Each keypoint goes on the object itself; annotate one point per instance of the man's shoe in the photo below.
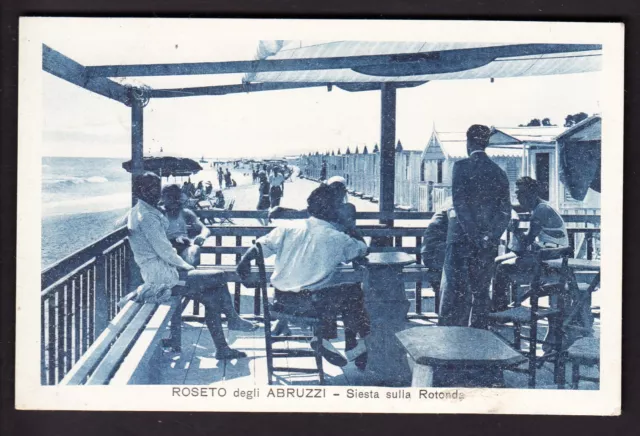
(356, 351)
(242, 325)
(280, 328)
(229, 354)
(330, 353)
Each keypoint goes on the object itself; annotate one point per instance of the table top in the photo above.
(391, 258)
(463, 346)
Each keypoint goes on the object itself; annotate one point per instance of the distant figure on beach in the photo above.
(263, 196)
(185, 188)
(208, 189)
(323, 171)
(480, 215)
(199, 194)
(308, 253)
(276, 181)
(218, 201)
(159, 264)
(220, 177)
(227, 179)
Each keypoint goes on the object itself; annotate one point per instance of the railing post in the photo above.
(102, 299)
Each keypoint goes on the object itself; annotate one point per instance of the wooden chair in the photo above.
(284, 314)
(519, 315)
(584, 351)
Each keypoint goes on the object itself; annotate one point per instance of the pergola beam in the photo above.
(67, 69)
(329, 63)
(229, 89)
(273, 86)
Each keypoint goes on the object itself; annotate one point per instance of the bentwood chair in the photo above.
(288, 314)
(518, 315)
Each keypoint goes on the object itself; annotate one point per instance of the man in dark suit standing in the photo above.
(480, 215)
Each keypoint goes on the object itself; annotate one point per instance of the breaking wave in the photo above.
(69, 180)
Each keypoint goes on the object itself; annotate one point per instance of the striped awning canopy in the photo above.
(422, 61)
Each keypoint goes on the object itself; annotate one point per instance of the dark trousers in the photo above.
(275, 194)
(210, 288)
(466, 280)
(346, 300)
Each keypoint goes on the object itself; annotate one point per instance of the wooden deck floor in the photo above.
(197, 365)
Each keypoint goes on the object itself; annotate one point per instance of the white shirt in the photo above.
(152, 251)
(276, 180)
(308, 253)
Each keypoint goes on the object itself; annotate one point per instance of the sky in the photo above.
(288, 122)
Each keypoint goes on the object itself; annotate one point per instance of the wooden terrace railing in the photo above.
(80, 293)
(78, 299)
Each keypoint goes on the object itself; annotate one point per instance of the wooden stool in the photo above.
(455, 348)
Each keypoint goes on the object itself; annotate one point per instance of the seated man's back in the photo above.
(308, 253)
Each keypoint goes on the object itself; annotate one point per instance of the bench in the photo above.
(124, 351)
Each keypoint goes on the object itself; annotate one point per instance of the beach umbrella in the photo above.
(166, 166)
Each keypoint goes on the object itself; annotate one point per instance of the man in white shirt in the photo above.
(276, 183)
(159, 264)
(308, 253)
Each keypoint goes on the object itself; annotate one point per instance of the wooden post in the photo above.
(387, 149)
(137, 165)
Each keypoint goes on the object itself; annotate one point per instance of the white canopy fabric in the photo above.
(430, 60)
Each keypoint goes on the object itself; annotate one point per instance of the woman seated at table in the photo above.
(546, 230)
(181, 220)
(159, 264)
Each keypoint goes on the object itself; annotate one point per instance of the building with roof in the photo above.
(519, 151)
(423, 176)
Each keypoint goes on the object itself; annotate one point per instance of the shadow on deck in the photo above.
(196, 363)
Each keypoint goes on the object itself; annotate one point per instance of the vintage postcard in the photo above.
(320, 216)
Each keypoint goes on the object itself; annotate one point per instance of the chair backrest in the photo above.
(262, 275)
(231, 203)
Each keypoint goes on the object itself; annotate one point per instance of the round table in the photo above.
(387, 305)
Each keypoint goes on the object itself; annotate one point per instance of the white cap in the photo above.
(337, 179)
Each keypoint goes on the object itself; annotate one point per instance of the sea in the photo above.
(83, 197)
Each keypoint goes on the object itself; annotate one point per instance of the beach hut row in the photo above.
(423, 176)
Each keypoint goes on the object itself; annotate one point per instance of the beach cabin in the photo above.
(445, 148)
(519, 151)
